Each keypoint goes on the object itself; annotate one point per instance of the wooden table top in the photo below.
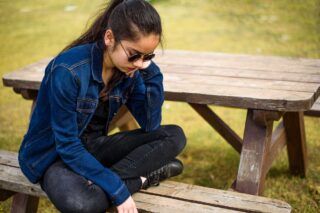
(233, 80)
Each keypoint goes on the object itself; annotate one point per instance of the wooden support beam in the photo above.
(124, 120)
(296, 142)
(5, 194)
(278, 142)
(312, 113)
(219, 125)
(29, 94)
(23, 203)
(256, 144)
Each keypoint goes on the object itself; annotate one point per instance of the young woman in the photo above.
(66, 148)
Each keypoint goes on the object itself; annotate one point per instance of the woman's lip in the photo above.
(131, 69)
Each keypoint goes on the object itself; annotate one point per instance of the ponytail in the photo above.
(123, 17)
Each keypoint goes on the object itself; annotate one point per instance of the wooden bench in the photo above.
(169, 197)
(315, 110)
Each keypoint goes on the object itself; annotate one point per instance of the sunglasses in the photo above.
(135, 57)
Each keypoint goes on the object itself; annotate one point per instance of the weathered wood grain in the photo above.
(219, 125)
(278, 142)
(244, 81)
(168, 197)
(277, 83)
(241, 61)
(9, 158)
(239, 97)
(256, 144)
(228, 199)
(23, 203)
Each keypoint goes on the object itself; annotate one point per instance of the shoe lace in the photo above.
(154, 177)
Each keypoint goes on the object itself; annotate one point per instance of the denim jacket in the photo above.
(67, 100)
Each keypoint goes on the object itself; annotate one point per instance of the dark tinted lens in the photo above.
(134, 57)
(148, 57)
(137, 56)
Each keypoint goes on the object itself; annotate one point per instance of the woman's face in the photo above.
(118, 56)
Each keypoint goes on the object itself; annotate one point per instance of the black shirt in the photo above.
(97, 125)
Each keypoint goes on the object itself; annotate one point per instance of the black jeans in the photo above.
(130, 154)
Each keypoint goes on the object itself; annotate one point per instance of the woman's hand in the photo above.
(145, 65)
(127, 206)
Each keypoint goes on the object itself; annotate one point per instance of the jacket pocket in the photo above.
(85, 107)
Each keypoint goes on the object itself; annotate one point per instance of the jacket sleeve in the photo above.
(146, 98)
(63, 101)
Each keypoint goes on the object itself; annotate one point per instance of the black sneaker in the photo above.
(173, 168)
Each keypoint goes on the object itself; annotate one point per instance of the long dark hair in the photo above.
(127, 19)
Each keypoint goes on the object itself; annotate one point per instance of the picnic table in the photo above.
(269, 88)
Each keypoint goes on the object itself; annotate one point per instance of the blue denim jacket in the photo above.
(67, 99)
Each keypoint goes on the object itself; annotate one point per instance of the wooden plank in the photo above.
(256, 143)
(177, 85)
(154, 203)
(253, 62)
(219, 125)
(242, 82)
(204, 199)
(28, 77)
(238, 97)
(35, 76)
(12, 179)
(236, 72)
(216, 197)
(230, 95)
(9, 158)
(296, 142)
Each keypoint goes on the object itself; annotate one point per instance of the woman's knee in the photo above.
(80, 204)
(177, 137)
(89, 200)
(70, 192)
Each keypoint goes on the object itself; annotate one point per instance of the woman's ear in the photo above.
(108, 38)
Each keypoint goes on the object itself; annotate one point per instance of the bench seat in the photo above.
(169, 197)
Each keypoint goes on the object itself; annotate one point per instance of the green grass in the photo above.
(35, 29)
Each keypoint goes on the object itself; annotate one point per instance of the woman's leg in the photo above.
(130, 154)
(72, 193)
(136, 153)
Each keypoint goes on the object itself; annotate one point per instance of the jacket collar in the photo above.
(97, 51)
(97, 60)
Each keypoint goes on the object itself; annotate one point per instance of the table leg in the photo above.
(254, 155)
(296, 142)
(23, 203)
